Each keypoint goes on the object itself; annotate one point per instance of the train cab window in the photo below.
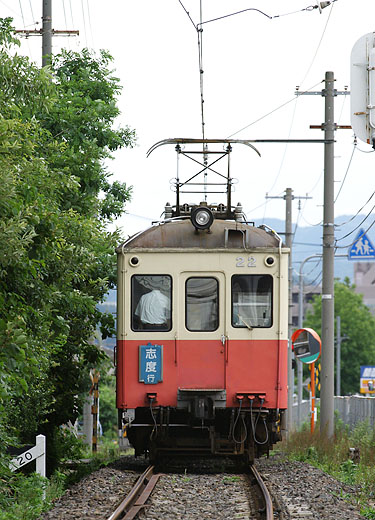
(202, 304)
(151, 298)
(252, 301)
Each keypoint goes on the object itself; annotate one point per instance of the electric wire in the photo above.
(298, 219)
(32, 11)
(89, 19)
(71, 12)
(286, 146)
(271, 112)
(270, 17)
(318, 262)
(263, 203)
(347, 171)
(66, 21)
(356, 240)
(314, 283)
(355, 229)
(84, 22)
(187, 12)
(23, 18)
(10, 8)
(319, 44)
(359, 211)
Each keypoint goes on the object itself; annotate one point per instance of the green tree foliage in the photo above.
(56, 258)
(358, 324)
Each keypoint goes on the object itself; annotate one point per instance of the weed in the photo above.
(231, 478)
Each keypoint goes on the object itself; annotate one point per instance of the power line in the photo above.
(319, 44)
(23, 18)
(358, 212)
(84, 22)
(187, 12)
(272, 111)
(32, 12)
(347, 170)
(89, 18)
(356, 240)
(359, 225)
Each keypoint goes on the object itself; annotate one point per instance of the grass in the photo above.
(21, 496)
(332, 456)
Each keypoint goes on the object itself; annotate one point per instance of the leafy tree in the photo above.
(358, 324)
(56, 257)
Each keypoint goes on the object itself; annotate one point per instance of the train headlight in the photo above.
(202, 217)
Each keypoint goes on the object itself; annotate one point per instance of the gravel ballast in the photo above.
(300, 491)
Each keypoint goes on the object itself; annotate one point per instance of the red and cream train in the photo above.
(202, 334)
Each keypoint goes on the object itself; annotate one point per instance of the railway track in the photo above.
(136, 500)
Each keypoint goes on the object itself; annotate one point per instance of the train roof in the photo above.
(181, 234)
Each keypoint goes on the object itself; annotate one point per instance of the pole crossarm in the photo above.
(39, 32)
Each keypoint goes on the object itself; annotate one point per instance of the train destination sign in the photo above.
(150, 364)
(306, 345)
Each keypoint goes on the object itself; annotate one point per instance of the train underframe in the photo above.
(201, 429)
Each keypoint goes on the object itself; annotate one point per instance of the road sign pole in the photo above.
(338, 356)
(312, 386)
(327, 374)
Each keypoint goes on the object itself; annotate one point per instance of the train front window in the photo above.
(151, 302)
(252, 300)
(202, 304)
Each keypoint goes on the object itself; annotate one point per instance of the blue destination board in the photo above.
(150, 364)
(362, 249)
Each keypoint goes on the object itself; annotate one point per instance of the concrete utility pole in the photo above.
(328, 339)
(327, 373)
(46, 32)
(288, 242)
(289, 197)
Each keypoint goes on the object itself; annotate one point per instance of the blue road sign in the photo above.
(362, 249)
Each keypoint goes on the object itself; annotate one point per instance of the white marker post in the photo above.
(37, 452)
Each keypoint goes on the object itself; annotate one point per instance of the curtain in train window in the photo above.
(202, 304)
(151, 302)
(252, 301)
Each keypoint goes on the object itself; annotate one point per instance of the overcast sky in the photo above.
(252, 65)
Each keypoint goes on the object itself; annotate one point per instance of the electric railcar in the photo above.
(202, 334)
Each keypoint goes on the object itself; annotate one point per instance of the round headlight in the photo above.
(202, 218)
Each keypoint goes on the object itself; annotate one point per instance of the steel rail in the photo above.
(135, 500)
(266, 493)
